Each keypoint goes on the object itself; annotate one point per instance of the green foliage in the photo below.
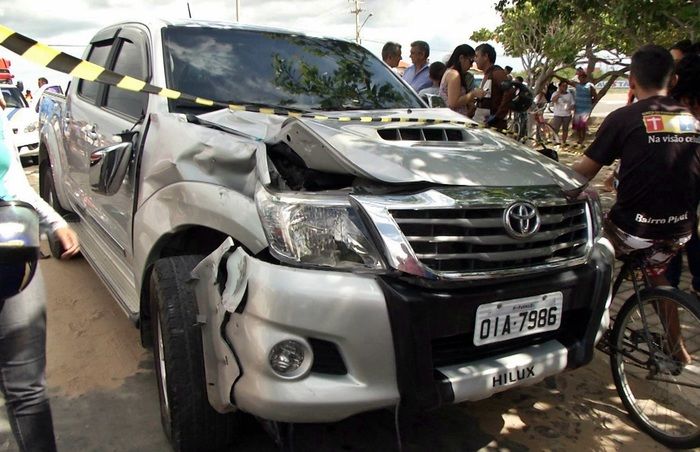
(552, 35)
(483, 35)
(632, 22)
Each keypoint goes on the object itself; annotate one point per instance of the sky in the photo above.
(70, 25)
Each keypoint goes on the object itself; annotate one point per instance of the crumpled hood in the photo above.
(403, 152)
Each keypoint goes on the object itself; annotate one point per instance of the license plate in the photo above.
(509, 319)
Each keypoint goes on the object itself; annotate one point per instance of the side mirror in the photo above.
(108, 167)
(434, 101)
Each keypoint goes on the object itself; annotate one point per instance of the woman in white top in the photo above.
(563, 108)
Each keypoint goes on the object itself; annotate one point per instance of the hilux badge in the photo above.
(521, 220)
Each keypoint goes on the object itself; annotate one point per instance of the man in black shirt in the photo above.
(658, 143)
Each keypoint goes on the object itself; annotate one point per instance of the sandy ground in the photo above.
(104, 394)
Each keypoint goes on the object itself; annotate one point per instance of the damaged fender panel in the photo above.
(221, 366)
(180, 151)
(213, 206)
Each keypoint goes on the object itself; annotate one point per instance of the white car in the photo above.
(23, 121)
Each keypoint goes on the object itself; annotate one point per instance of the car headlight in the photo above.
(31, 127)
(316, 230)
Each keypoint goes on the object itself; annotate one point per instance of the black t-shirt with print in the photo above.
(658, 144)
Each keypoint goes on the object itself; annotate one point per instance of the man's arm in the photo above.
(587, 167)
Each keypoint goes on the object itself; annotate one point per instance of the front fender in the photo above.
(185, 204)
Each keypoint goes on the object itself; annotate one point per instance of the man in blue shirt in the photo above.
(418, 75)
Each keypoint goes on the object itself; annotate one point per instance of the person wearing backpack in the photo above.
(520, 104)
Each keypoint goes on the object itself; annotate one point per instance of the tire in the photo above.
(47, 191)
(668, 410)
(188, 419)
(47, 188)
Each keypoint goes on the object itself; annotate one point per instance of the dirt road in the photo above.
(105, 398)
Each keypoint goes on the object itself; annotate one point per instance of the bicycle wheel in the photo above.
(513, 130)
(545, 134)
(658, 383)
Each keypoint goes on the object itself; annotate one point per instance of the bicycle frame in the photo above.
(628, 268)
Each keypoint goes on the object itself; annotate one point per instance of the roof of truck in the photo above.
(160, 23)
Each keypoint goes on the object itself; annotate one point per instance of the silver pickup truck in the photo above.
(301, 261)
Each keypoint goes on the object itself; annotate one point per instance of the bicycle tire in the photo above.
(655, 391)
(513, 130)
(545, 134)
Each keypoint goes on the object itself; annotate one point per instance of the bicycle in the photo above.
(543, 132)
(660, 391)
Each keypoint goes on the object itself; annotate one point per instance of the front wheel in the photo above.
(655, 360)
(188, 419)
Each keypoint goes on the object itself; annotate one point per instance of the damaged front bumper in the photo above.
(340, 318)
(371, 341)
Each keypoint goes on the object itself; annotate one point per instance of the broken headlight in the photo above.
(316, 230)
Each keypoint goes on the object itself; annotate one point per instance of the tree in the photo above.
(661, 21)
(543, 46)
(550, 35)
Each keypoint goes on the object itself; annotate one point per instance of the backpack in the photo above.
(19, 247)
(551, 89)
(522, 100)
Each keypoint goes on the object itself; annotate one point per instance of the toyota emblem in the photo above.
(521, 220)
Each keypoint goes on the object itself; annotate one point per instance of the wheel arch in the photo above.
(190, 218)
(47, 162)
(187, 240)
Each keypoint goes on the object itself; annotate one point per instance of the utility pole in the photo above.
(358, 9)
(238, 10)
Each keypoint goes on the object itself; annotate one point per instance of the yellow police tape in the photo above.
(51, 58)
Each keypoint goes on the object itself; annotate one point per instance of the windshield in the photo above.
(13, 97)
(277, 69)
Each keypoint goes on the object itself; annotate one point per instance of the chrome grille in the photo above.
(465, 240)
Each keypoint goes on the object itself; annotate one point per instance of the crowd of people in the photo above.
(487, 103)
